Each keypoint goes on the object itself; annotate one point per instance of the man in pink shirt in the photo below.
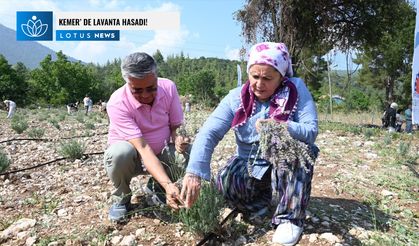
(144, 115)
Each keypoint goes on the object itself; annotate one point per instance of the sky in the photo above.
(207, 28)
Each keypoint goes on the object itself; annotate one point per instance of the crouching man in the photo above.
(144, 114)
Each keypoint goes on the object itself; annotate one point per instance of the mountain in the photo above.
(30, 53)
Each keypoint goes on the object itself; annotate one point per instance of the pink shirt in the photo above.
(130, 119)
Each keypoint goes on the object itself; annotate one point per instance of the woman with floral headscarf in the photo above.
(248, 180)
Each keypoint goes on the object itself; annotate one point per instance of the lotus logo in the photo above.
(34, 28)
(34, 25)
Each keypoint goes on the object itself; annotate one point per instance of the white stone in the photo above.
(128, 241)
(329, 237)
(313, 237)
(140, 232)
(22, 234)
(30, 241)
(62, 212)
(116, 239)
(20, 225)
(387, 193)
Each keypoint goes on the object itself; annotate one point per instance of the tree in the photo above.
(303, 24)
(12, 86)
(61, 81)
(387, 65)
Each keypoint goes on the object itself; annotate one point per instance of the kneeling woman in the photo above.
(249, 179)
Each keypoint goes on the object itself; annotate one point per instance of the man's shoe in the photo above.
(287, 234)
(119, 212)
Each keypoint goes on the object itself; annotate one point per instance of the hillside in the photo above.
(28, 52)
(364, 189)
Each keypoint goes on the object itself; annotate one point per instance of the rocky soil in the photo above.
(66, 202)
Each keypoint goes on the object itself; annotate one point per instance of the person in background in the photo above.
(144, 114)
(399, 121)
(408, 116)
(391, 116)
(187, 107)
(90, 105)
(11, 107)
(86, 103)
(270, 94)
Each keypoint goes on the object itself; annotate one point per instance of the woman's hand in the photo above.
(172, 196)
(190, 189)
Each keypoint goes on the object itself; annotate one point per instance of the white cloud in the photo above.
(232, 54)
(8, 9)
(107, 4)
(168, 42)
(90, 50)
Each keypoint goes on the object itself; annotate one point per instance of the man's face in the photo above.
(144, 90)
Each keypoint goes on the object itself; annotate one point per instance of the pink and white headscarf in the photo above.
(274, 54)
(283, 102)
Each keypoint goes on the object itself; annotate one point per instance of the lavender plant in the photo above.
(280, 149)
(4, 161)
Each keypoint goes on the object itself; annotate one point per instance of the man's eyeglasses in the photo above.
(141, 90)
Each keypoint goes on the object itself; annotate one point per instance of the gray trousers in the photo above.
(122, 163)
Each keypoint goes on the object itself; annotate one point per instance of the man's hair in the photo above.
(138, 65)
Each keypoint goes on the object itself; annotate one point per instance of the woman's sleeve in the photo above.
(304, 123)
(210, 134)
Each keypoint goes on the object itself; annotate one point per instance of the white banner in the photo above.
(415, 72)
(117, 20)
(239, 76)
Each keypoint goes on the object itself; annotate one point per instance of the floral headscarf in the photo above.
(274, 54)
(284, 101)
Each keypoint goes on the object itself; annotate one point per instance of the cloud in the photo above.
(8, 9)
(90, 51)
(168, 42)
(107, 4)
(232, 54)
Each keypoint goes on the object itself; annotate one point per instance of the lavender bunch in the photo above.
(281, 150)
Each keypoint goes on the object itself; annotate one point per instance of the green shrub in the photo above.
(19, 124)
(368, 133)
(204, 216)
(61, 117)
(89, 126)
(403, 149)
(388, 138)
(54, 122)
(72, 149)
(80, 118)
(36, 132)
(4, 161)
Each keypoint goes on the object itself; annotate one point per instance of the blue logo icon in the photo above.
(33, 25)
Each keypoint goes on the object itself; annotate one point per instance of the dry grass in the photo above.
(353, 118)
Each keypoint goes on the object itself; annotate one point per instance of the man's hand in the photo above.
(181, 143)
(190, 189)
(172, 196)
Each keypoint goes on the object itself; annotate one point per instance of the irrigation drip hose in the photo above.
(211, 234)
(46, 163)
(49, 139)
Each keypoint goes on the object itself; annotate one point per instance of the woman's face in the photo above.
(264, 79)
